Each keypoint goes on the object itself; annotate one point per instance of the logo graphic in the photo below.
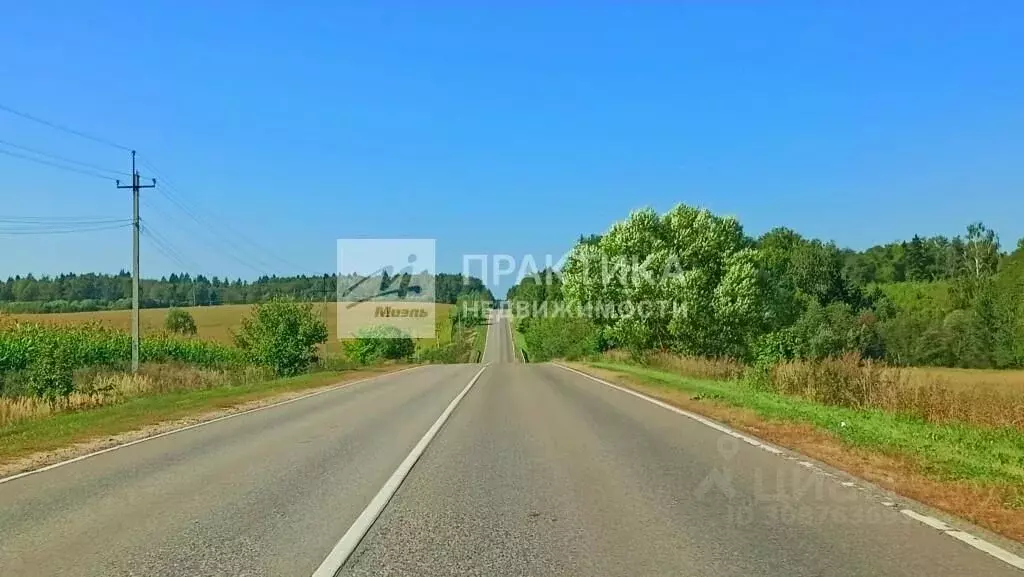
(386, 288)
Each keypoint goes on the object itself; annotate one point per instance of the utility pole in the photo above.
(135, 186)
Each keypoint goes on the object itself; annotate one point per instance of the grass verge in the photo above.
(479, 342)
(973, 472)
(27, 437)
(519, 344)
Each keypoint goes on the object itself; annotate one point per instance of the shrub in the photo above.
(560, 337)
(382, 342)
(180, 321)
(282, 335)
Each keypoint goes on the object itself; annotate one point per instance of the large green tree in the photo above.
(686, 281)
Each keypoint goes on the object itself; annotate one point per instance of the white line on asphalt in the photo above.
(350, 540)
(749, 440)
(930, 521)
(487, 338)
(997, 552)
(196, 425)
(976, 542)
(511, 341)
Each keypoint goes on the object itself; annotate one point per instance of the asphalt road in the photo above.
(538, 471)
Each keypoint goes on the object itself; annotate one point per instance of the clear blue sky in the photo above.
(510, 129)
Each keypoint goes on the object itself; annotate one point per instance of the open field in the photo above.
(1005, 381)
(213, 323)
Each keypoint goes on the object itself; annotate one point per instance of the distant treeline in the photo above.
(93, 292)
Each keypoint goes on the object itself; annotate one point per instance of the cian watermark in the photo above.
(386, 282)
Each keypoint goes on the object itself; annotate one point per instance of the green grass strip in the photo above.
(944, 451)
(63, 429)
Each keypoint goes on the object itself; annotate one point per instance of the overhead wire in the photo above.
(60, 220)
(63, 230)
(165, 248)
(261, 269)
(240, 248)
(247, 245)
(64, 128)
(55, 165)
(63, 158)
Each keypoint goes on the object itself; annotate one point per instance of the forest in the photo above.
(93, 292)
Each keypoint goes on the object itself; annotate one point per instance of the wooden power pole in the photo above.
(135, 186)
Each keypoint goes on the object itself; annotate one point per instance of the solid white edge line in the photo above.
(350, 540)
(980, 544)
(487, 342)
(700, 419)
(930, 521)
(511, 340)
(976, 542)
(199, 424)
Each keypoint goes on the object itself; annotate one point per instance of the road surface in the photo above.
(538, 471)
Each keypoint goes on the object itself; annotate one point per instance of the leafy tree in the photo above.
(686, 281)
(283, 335)
(180, 321)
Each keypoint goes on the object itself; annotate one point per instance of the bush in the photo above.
(180, 321)
(559, 337)
(380, 342)
(282, 335)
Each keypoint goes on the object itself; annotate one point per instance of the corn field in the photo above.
(41, 359)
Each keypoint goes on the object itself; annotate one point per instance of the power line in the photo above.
(168, 251)
(62, 158)
(63, 128)
(260, 269)
(60, 220)
(168, 190)
(167, 247)
(55, 165)
(69, 230)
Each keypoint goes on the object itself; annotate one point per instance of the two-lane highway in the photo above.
(538, 471)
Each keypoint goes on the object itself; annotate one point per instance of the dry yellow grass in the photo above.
(107, 388)
(982, 397)
(932, 394)
(213, 323)
(696, 367)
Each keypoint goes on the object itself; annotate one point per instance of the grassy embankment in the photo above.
(193, 396)
(951, 438)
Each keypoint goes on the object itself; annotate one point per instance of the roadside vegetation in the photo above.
(693, 283)
(461, 335)
(213, 323)
(900, 363)
(50, 370)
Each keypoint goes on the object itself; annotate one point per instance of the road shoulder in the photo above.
(899, 483)
(110, 432)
